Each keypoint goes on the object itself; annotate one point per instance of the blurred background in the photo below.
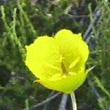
(22, 21)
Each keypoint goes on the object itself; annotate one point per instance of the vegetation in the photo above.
(22, 21)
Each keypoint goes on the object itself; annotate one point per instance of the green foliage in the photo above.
(100, 57)
(22, 21)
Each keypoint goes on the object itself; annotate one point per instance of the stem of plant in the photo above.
(73, 99)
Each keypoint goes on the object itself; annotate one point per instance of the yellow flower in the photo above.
(58, 62)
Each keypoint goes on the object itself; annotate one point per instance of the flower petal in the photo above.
(66, 84)
(43, 57)
(72, 47)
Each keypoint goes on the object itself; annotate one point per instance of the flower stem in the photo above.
(73, 99)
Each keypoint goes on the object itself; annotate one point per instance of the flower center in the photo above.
(64, 68)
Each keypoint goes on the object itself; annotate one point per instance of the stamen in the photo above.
(73, 64)
(53, 67)
(64, 68)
